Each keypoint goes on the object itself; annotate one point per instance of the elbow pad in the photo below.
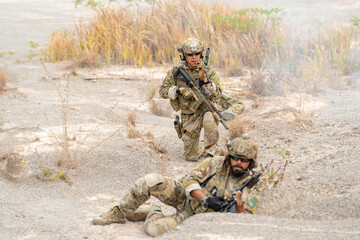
(172, 92)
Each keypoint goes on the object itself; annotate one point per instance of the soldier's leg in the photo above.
(171, 193)
(191, 137)
(157, 223)
(191, 148)
(165, 189)
(137, 195)
(211, 133)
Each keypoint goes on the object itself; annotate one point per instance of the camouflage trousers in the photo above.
(191, 139)
(168, 191)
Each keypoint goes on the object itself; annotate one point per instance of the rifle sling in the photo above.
(203, 184)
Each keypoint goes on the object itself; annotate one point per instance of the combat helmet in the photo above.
(243, 147)
(191, 45)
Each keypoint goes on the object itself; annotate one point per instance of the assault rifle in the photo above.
(230, 206)
(200, 97)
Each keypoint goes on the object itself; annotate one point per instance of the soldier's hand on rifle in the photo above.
(215, 203)
(239, 203)
(187, 93)
(207, 82)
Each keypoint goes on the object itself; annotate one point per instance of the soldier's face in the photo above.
(238, 164)
(193, 59)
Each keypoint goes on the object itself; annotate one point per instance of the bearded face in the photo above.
(239, 166)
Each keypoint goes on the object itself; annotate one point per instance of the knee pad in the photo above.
(209, 122)
(160, 226)
(154, 179)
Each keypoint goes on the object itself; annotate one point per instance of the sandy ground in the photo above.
(319, 130)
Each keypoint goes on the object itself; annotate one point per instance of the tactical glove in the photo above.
(215, 203)
(188, 94)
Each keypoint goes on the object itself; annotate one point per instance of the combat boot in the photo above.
(112, 216)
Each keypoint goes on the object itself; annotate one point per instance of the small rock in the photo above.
(300, 178)
(15, 168)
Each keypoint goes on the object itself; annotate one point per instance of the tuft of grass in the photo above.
(50, 175)
(150, 93)
(153, 144)
(272, 177)
(239, 126)
(3, 79)
(131, 119)
(69, 149)
(47, 171)
(133, 132)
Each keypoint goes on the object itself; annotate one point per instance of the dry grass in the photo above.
(131, 119)
(3, 79)
(327, 55)
(272, 177)
(151, 93)
(238, 39)
(150, 140)
(131, 125)
(239, 126)
(140, 38)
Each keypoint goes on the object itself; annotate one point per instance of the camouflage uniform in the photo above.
(230, 104)
(177, 194)
(212, 176)
(194, 120)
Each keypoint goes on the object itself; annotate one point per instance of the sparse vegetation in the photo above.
(34, 50)
(272, 177)
(150, 93)
(51, 175)
(3, 79)
(131, 125)
(131, 119)
(239, 126)
(328, 56)
(69, 149)
(153, 144)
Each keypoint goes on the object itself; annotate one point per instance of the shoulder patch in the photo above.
(253, 202)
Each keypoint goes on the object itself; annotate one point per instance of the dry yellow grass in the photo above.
(327, 55)
(238, 39)
(147, 38)
(239, 126)
(3, 79)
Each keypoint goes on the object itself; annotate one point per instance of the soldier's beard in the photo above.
(237, 173)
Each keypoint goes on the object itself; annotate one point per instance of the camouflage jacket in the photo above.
(197, 74)
(220, 184)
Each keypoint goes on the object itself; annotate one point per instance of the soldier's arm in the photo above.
(192, 180)
(169, 82)
(215, 79)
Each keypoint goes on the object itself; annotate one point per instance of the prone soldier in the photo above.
(205, 189)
